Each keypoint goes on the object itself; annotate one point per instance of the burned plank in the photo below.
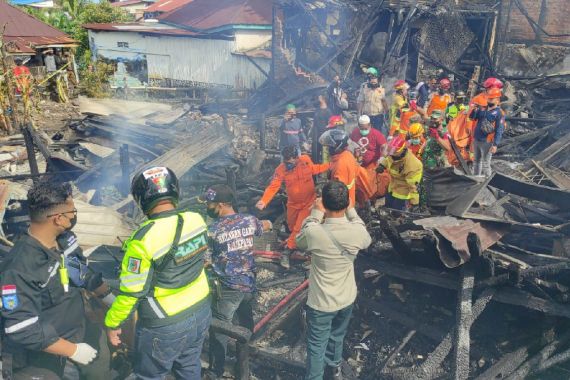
(550, 195)
(506, 365)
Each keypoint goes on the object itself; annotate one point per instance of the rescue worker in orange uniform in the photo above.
(442, 98)
(460, 129)
(297, 172)
(481, 98)
(335, 122)
(406, 172)
(398, 103)
(416, 139)
(344, 166)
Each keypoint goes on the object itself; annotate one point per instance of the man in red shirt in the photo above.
(297, 172)
(22, 75)
(371, 141)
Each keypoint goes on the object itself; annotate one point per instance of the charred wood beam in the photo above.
(459, 157)
(29, 141)
(541, 193)
(463, 314)
(507, 295)
(401, 37)
(288, 312)
(277, 361)
(397, 242)
(393, 355)
(506, 365)
(250, 59)
(320, 27)
(431, 367)
(390, 311)
(537, 363)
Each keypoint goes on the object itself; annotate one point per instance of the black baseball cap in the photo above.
(218, 194)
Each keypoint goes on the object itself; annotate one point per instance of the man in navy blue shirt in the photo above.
(485, 142)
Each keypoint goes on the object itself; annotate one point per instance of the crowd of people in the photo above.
(432, 126)
(178, 272)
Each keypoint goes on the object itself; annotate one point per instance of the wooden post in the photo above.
(29, 140)
(262, 132)
(9, 83)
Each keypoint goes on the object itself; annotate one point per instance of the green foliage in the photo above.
(95, 80)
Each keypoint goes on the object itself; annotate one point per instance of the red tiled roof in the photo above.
(28, 32)
(207, 14)
(149, 28)
(167, 5)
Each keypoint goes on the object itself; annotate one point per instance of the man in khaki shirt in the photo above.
(333, 245)
(371, 101)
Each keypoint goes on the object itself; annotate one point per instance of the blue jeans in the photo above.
(175, 347)
(224, 307)
(325, 337)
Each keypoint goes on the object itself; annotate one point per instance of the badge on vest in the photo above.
(191, 248)
(9, 297)
(134, 265)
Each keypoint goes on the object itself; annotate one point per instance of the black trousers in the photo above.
(50, 367)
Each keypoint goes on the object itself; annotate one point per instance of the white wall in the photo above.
(251, 39)
(184, 58)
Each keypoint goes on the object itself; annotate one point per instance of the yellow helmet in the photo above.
(416, 130)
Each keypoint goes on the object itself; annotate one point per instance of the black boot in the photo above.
(333, 373)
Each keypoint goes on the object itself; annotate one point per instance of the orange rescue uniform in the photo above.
(345, 169)
(438, 102)
(300, 189)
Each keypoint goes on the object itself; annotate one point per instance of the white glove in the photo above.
(84, 354)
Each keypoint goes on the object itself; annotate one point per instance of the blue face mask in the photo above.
(290, 165)
(364, 132)
(415, 141)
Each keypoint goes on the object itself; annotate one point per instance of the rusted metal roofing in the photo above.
(129, 2)
(27, 32)
(167, 5)
(150, 28)
(211, 16)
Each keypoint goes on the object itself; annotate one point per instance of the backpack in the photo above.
(487, 126)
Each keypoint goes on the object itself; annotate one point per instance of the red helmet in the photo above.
(492, 83)
(396, 145)
(334, 121)
(400, 84)
(445, 84)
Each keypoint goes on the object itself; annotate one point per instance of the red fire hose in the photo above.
(268, 254)
(280, 305)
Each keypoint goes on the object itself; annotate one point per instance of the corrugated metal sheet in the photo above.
(167, 5)
(202, 60)
(29, 32)
(208, 14)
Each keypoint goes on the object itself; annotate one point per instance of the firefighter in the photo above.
(398, 103)
(416, 139)
(442, 98)
(297, 172)
(43, 314)
(335, 122)
(405, 172)
(481, 98)
(344, 166)
(457, 105)
(163, 279)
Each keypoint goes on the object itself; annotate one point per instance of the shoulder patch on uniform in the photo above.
(141, 232)
(134, 265)
(9, 297)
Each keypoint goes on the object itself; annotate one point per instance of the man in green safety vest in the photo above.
(163, 278)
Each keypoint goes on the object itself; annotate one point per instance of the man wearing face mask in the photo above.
(297, 172)
(42, 309)
(372, 141)
(441, 99)
(372, 102)
(437, 144)
(488, 131)
(416, 139)
(231, 242)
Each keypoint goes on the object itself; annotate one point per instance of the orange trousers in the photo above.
(295, 217)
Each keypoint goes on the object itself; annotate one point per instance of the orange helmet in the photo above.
(416, 130)
(492, 83)
(494, 93)
(335, 121)
(400, 85)
(396, 145)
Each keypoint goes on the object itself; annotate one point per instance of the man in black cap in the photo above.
(233, 266)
